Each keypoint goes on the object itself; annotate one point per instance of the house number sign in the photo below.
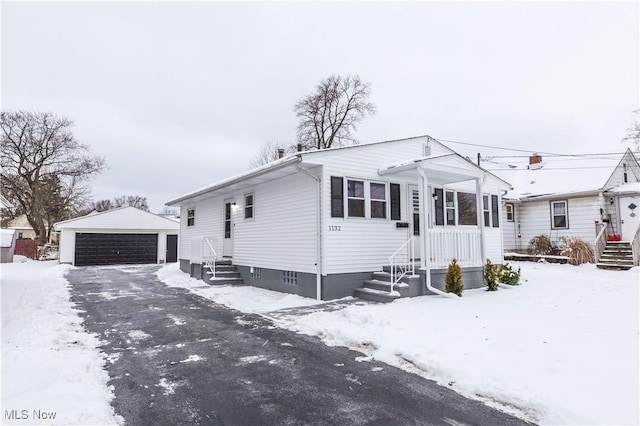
(335, 228)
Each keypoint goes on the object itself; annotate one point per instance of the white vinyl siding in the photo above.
(535, 219)
(283, 235)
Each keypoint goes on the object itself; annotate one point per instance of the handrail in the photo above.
(635, 247)
(600, 243)
(210, 260)
(402, 262)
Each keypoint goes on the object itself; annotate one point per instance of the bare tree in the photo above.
(40, 153)
(131, 200)
(102, 205)
(633, 132)
(269, 152)
(169, 211)
(329, 115)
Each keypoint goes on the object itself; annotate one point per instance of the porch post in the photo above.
(425, 248)
(480, 213)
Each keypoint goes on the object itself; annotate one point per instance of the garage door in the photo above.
(115, 249)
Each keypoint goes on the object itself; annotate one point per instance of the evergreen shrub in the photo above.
(507, 275)
(491, 276)
(453, 279)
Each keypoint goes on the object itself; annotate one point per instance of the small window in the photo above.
(355, 198)
(486, 211)
(450, 207)
(256, 273)
(289, 278)
(248, 206)
(559, 215)
(378, 196)
(509, 210)
(191, 217)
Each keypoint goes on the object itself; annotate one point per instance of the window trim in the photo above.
(250, 206)
(378, 200)
(510, 206)
(566, 214)
(191, 217)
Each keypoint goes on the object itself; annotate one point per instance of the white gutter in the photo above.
(426, 254)
(318, 232)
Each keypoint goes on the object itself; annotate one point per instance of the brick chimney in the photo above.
(299, 147)
(535, 161)
(280, 153)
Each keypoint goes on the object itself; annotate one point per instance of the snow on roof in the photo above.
(631, 187)
(558, 175)
(6, 237)
(121, 218)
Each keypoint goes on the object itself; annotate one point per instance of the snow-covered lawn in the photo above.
(52, 372)
(562, 348)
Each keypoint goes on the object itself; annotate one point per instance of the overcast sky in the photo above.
(177, 96)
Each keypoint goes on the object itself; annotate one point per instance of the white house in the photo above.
(570, 196)
(320, 223)
(126, 235)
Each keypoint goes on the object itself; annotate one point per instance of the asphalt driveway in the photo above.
(175, 358)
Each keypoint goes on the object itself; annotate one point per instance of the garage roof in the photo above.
(122, 218)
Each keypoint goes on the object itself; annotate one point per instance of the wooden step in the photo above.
(225, 281)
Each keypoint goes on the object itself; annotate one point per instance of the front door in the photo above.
(629, 216)
(227, 245)
(414, 210)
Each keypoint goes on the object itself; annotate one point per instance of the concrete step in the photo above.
(226, 274)
(225, 281)
(375, 295)
(384, 285)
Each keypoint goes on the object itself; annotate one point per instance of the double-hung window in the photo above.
(248, 206)
(378, 199)
(559, 215)
(486, 210)
(355, 198)
(509, 209)
(191, 217)
(450, 207)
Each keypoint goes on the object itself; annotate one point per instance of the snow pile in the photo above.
(243, 298)
(562, 348)
(51, 370)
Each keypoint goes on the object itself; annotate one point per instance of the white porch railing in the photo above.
(459, 243)
(600, 243)
(402, 262)
(635, 247)
(209, 254)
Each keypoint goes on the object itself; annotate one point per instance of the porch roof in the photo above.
(441, 169)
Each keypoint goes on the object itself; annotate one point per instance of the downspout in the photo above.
(424, 230)
(318, 230)
(480, 214)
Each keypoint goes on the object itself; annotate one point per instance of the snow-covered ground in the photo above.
(561, 348)
(52, 372)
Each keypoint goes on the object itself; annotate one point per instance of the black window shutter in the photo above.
(394, 189)
(495, 210)
(337, 197)
(439, 206)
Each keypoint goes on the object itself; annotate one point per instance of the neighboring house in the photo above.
(125, 235)
(24, 230)
(7, 245)
(319, 223)
(570, 197)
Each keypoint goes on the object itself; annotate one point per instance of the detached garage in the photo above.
(121, 236)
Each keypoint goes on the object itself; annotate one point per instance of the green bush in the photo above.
(491, 276)
(542, 245)
(506, 275)
(453, 279)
